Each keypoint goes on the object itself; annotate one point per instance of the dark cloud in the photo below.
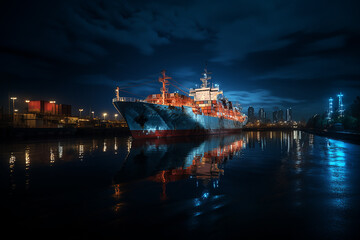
(262, 53)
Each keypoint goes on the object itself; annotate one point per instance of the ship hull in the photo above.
(147, 120)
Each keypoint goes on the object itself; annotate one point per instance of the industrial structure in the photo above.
(49, 114)
(49, 108)
(330, 111)
(340, 107)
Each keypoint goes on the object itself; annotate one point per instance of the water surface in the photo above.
(281, 184)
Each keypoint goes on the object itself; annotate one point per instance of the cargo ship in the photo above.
(201, 111)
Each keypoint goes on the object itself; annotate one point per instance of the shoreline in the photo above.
(261, 129)
(15, 134)
(353, 137)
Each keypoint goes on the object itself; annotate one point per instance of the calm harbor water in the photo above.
(285, 184)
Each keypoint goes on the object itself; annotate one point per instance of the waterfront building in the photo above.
(262, 115)
(48, 108)
(280, 115)
(251, 115)
(289, 117)
(275, 117)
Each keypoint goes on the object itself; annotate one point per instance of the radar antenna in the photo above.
(205, 78)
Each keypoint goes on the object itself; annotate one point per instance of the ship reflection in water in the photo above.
(170, 160)
(287, 184)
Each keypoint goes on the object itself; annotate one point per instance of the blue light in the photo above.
(337, 171)
(197, 202)
(336, 153)
(205, 195)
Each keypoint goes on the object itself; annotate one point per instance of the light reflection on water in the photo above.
(203, 162)
(338, 172)
(273, 176)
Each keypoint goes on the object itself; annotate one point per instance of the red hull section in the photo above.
(176, 133)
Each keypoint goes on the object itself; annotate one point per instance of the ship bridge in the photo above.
(205, 92)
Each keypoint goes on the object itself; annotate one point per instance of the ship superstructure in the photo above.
(204, 111)
(205, 93)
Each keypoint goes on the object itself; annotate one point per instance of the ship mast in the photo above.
(165, 82)
(117, 93)
(205, 78)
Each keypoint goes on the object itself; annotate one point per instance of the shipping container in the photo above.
(49, 108)
(45, 107)
(34, 106)
(64, 110)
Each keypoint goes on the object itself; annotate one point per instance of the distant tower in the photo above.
(330, 112)
(341, 106)
(275, 116)
(251, 115)
(262, 116)
(280, 115)
(288, 115)
(291, 114)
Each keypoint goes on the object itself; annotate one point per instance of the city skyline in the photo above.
(271, 116)
(332, 107)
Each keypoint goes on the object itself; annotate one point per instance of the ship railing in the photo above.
(127, 99)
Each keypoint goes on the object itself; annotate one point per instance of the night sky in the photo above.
(262, 53)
